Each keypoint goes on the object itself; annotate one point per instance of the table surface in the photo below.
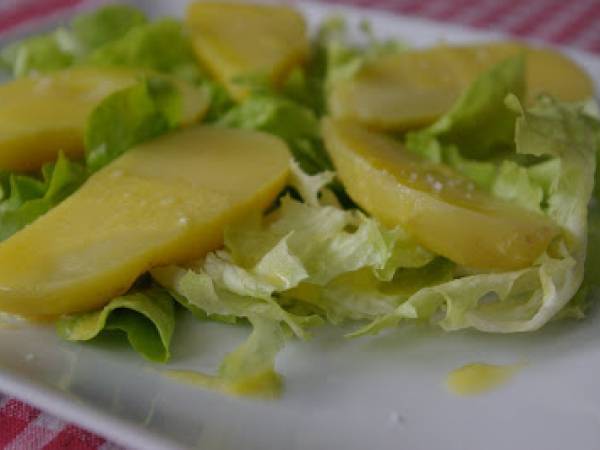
(570, 23)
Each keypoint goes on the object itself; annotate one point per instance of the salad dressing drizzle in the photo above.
(479, 378)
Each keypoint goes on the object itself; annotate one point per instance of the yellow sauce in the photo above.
(266, 385)
(478, 378)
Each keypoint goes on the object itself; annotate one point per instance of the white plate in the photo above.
(385, 392)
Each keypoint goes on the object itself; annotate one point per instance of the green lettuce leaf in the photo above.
(280, 271)
(37, 54)
(301, 251)
(147, 317)
(162, 46)
(111, 22)
(483, 173)
(214, 298)
(130, 116)
(25, 198)
(479, 123)
(291, 121)
(64, 47)
(525, 300)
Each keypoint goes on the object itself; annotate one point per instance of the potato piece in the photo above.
(415, 87)
(444, 211)
(41, 115)
(234, 40)
(163, 202)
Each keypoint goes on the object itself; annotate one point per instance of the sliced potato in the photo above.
(234, 40)
(41, 115)
(415, 87)
(444, 211)
(165, 201)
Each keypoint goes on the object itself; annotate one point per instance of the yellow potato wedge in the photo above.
(165, 201)
(413, 88)
(41, 115)
(444, 211)
(234, 40)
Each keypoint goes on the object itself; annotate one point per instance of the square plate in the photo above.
(384, 392)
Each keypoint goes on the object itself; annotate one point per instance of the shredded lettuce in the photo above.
(303, 261)
(147, 317)
(25, 198)
(130, 116)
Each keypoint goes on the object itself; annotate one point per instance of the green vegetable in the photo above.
(147, 318)
(35, 54)
(67, 46)
(527, 299)
(479, 124)
(130, 116)
(162, 46)
(97, 28)
(25, 198)
(291, 121)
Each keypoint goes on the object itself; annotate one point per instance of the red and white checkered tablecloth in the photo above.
(574, 23)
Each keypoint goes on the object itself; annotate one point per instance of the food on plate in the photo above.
(413, 88)
(237, 40)
(163, 202)
(446, 212)
(41, 115)
(244, 176)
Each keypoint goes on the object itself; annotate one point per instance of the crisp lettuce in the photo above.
(97, 28)
(25, 198)
(479, 124)
(303, 261)
(145, 110)
(162, 46)
(479, 128)
(291, 121)
(147, 317)
(67, 46)
(525, 300)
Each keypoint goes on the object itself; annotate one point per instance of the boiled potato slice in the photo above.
(445, 212)
(415, 87)
(234, 40)
(40, 115)
(165, 201)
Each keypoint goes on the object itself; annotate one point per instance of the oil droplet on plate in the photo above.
(479, 378)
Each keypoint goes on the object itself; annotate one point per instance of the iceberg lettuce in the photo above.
(527, 299)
